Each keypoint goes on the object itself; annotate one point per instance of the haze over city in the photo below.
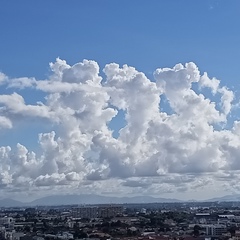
(119, 98)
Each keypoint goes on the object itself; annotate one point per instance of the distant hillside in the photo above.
(7, 202)
(84, 199)
(227, 198)
(96, 199)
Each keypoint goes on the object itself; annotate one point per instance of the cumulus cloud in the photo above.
(14, 105)
(3, 78)
(177, 147)
(5, 122)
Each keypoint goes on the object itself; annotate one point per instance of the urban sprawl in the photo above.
(155, 221)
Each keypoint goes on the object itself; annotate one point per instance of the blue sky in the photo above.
(144, 34)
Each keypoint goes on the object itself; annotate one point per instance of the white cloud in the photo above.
(181, 151)
(205, 81)
(3, 78)
(5, 122)
(14, 105)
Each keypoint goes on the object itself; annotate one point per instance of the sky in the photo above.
(119, 98)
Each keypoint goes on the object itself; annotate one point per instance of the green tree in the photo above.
(196, 230)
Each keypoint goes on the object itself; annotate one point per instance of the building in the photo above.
(102, 211)
(215, 229)
(106, 211)
(85, 212)
(6, 221)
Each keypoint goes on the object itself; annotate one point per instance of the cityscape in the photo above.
(119, 120)
(142, 221)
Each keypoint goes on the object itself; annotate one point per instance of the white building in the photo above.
(6, 220)
(64, 235)
(102, 211)
(215, 229)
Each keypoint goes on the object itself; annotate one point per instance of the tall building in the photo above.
(101, 211)
(215, 229)
(85, 212)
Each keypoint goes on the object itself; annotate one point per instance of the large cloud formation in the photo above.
(176, 137)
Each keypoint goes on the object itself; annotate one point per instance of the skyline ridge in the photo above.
(93, 199)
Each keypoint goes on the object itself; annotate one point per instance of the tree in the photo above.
(232, 230)
(27, 229)
(79, 234)
(196, 230)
